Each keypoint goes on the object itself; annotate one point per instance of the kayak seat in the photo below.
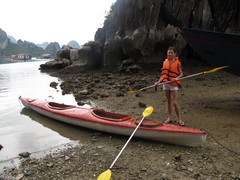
(148, 123)
(59, 106)
(110, 116)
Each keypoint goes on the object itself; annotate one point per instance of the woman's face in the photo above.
(171, 54)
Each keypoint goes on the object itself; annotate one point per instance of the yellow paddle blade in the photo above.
(148, 111)
(215, 69)
(106, 175)
(134, 91)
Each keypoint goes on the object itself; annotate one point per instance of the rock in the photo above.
(142, 105)
(119, 94)
(104, 95)
(84, 92)
(133, 68)
(91, 52)
(67, 158)
(80, 103)
(49, 164)
(55, 64)
(54, 85)
(19, 176)
(64, 52)
(165, 176)
(178, 158)
(138, 95)
(24, 154)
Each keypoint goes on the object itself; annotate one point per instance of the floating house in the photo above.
(21, 57)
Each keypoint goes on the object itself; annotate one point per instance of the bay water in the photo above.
(22, 130)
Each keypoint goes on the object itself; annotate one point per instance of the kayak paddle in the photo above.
(204, 72)
(106, 175)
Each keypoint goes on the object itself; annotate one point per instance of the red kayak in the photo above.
(122, 124)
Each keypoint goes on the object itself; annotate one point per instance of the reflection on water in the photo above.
(66, 130)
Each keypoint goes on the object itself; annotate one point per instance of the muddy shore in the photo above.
(210, 102)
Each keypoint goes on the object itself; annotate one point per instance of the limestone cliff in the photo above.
(143, 29)
(140, 31)
(4, 41)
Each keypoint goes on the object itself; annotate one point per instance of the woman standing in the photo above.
(171, 72)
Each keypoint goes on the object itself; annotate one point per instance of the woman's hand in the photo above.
(175, 79)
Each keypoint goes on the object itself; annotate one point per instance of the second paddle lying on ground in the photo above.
(106, 175)
(204, 72)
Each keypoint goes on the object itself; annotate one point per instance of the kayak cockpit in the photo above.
(59, 106)
(110, 116)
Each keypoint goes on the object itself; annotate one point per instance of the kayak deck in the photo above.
(111, 122)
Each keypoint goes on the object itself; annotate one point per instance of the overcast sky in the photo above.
(39, 21)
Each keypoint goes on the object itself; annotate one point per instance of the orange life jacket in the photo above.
(170, 71)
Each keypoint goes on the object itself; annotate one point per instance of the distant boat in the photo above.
(220, 49)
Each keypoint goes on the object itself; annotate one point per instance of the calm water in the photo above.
(22, 130)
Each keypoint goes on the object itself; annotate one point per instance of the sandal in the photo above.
(167, 121)
(181, 123)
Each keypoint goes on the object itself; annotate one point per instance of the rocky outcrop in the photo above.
(92, 52)
(89, 55)
(142, 30)
(62, 59)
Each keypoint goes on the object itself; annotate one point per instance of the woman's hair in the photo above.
(173, 49)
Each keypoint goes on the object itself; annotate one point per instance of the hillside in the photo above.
(23, 47)
(9, 47)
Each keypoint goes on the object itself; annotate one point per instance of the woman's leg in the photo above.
(174, 97)
(169, 105)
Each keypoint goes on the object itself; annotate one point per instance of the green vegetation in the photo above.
(22, 47)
